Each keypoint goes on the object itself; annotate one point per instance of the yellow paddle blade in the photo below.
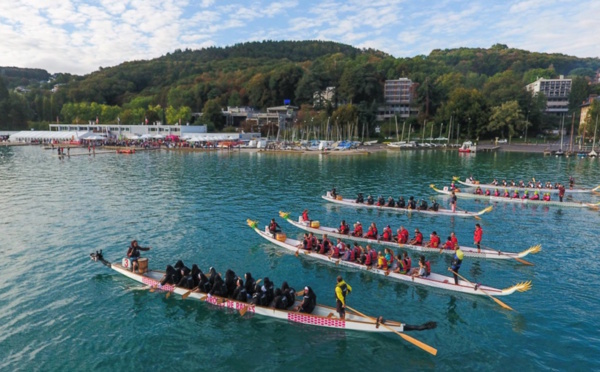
(243, 310)
(455, 178)
(300, 293)
(168, 295)
(251, 223)
(501, 303)
(284, 214)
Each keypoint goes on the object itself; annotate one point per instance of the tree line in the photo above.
(482, 89)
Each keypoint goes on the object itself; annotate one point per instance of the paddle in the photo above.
(153, 288)
(484, 292)
(412, 340)
(243, 310)
(516, 258)
(186, 294)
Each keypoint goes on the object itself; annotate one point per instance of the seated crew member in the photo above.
(547, 196)
(277, 302)
(487, 192)
(250, 283)
(169, 277)
(314, 242)
(516, 194)
(401, 203)
(382, 263)
(274, 227)
(434, 240)
(338, 250)
(402, 235)
(448, 244)
(504, 183)
(423, 205)
(360, 198)
(506, 194)
(424, 269)
(333, 193)
(219, 288)
(133, 253)
(325, 245)
(357, 229)
(373, 253)
(309, 301)
(355, 256)
(239, 293)
(525, 195)
(269, 289)
(305, 217)
(230, 282)
(370, 200)
(418, 239)
(380, 201)
(387, 234)
(496, 192)
(452, 186)
(495, 182)
(289, 294)
(344, 228)
(366, 258)
(405, 264)
(180, 271)
(412, 204)
(454, 240)
(389, 256)
(435, 206)
(391, 202)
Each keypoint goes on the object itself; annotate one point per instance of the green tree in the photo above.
(212, 114)
(506, 119)
(580, 91)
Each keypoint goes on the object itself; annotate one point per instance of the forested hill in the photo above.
(470, 81)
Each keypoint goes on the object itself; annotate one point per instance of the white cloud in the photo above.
(80, 35)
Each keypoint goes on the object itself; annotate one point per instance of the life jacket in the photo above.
(487, 192)
(358, 231)
(373, 255)
(496, 193)
(344, 287)
(401, 203)
(314, 242)
(449, 245)
(382, 263)
(418, 239)
(368, 259)
(387, 234)
(403, 238)
(305, 216)
(427, 268)
(506, 194)
(391, 259)
(434, 241)
(273, 226)
(406, 264)
(336, 252)
(344, 229)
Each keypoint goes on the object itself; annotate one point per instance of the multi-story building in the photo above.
(398, 96)
(556, 91)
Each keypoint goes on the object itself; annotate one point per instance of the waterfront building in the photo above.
(128, 131)
(398, 98)
(556, 91)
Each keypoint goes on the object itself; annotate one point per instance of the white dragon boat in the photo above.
(488, 186)
(467, 195)
(321, 316)
(433, 280)
(468, 251)
(439, 212)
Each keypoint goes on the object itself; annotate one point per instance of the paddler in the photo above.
(477, 236)
(387, 234)
(536, 196)
(449, 244)
(309, 301)
(344, 228)
(404, 264)
(412, 204)
(133, 253)
(391, 202)
(401, 203)
(402, 235)
(305, 217)
(561, 192)
(424, 269)
(418, 239)
(370, 200)
(435, 206)
(360, 198)
(456, 262)
(434, 240)
(358, 229)
(333, 193)
(454, 240)
(380, 201)
(342, 289)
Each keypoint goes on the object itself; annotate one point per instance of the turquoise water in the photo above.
(60, 311)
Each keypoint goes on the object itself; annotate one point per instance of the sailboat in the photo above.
(560, 152)
(593, 154)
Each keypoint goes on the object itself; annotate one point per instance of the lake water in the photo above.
(60, 311)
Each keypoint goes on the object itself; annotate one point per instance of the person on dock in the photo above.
(309, 301)
(344, 228)
(456, 262)
(274, 227)
(561, 192)
(418, 239)
(133, 253)
(477, 236)
(342, 289)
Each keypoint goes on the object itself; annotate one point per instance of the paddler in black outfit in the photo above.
(250, 282)
(274, 227)
(180, 269)
(309, 301)
(240, 294)
(277, 302)
(401, 203)
(391, 202)
(169, 277)
(341, 290)
(230, 279)
(360, 198)
(219, 288)
(289, 294)
(370, 200)
(412, 204)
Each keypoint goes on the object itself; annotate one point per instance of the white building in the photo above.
(556, 91)
(398, 96)
(127, 131)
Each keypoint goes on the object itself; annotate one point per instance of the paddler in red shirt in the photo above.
(454, 240)
(477, 235)
(434, 240)
(387, 233)
(402, 235)
(358, 229)
(418, 239)
(305, 216)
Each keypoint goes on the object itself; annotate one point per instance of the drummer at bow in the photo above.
(133, 253)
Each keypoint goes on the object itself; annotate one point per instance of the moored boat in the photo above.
(433, 280)
(321, 316)
(126, 151)
(439, 212)
(468, 147)
(466, 195)
(531, 189)
(468, 251)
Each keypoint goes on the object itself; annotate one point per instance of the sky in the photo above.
(80, 36)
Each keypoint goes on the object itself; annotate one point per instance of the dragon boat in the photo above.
(466, 195)
(433, 280)
(542, 190)
(439, 212)
(321, 316)
(468, 251)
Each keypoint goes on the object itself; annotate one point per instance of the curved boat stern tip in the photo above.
(521, 287)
